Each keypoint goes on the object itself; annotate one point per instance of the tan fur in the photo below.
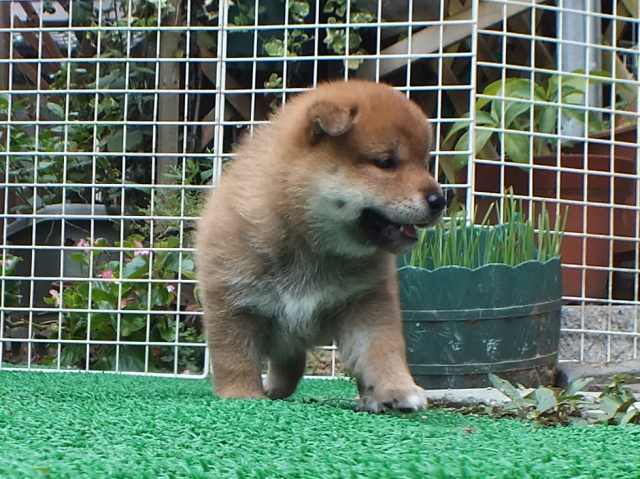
(282, 263)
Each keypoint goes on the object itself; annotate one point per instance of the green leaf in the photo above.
(101, 243)
(610, 406)
(11, 263)
(104, 298)
(56, 110)
(510, 88)
(451, 164)
(455, 129)
(115, 141)
(44, 165)
(274, 47)
(545, 399)
(463, 143)
(138, 267)
(160, 296)
(131, 323)
(79, 257)
(505, 387)
(171, 242)
(361, 17)
(71, 355)
(575, 113)
(492, 89)
(131, 360)
(577, 385)
(517, 147)
(328, 7)
(631, 416)
(513, 110)
(547, 119)
(482, 137)
(299, 10)
(188, 265)
(484, 118)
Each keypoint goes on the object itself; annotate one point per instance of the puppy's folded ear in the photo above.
(330, 119)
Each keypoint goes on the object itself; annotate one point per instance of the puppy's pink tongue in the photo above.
(409, 231)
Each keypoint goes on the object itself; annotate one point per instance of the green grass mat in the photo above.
(69, 425)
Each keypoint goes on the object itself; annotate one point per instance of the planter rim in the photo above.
(484, 266)
(569, 154)
(605, 134)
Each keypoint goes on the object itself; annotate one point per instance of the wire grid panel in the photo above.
(119, 115)
(556, 121)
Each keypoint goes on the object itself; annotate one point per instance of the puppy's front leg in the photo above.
(235, 357)
(372, 346)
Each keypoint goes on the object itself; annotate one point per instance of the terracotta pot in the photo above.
(572, 188)
(625, 219)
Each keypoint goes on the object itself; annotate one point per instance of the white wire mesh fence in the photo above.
(116, 116)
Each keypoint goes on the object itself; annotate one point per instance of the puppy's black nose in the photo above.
(436, 202)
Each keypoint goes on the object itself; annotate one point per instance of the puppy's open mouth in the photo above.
(388, 234)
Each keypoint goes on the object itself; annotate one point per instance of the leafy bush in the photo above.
(553, 406)
(8, 265)
(299, 41)
(507, 104)
(178, 203)
(137, 281)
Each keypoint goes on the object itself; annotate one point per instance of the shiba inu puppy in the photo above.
(296, 247)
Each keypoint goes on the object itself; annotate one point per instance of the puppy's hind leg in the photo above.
(285, 371)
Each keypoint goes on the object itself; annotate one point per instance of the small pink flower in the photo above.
(171, 288)
(138, 244)
(83, 243)
(106, 274)
(56, 296)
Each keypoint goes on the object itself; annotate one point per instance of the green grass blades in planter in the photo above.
(479, 299)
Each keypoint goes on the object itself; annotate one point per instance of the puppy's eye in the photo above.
(385, 162)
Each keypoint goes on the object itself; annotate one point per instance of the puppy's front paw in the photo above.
(409, 399)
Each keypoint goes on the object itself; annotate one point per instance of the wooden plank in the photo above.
(32, 39)
(428, 40)
(48, 43)
(543, 58)
(30, 71)
(241, 103)
(169, 103)
(5, 41)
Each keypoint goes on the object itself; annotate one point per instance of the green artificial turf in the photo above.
(69, 425)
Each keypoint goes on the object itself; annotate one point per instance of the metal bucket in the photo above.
(461, 324)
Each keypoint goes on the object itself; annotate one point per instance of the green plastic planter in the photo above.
(461, 324)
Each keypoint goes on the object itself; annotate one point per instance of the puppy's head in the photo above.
(366, 151)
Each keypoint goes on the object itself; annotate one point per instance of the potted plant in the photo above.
(529, 143)
(618, 139)
(479, 299)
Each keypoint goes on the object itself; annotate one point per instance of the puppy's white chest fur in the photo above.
(298, 299)
(300, 309)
